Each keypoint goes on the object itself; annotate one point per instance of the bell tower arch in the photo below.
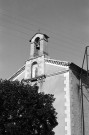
(38, 45)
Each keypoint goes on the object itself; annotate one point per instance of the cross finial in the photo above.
(38, 30)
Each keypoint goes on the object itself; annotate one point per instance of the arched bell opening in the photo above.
(37, 43)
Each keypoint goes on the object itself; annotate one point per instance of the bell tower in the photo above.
(38, 45)
(35, 66)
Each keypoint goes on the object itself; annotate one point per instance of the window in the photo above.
(34, 69)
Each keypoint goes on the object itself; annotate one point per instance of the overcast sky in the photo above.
(66, 22)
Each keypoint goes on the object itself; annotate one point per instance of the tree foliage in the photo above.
(24, 111)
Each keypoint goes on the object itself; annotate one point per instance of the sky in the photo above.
(66, 22)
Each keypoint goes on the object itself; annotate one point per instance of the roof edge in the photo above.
(53, 61)
(71, 65)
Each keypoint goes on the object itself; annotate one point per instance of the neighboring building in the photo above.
(61, 79)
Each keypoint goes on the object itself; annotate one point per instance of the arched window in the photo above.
(34, 69)
(37, 43)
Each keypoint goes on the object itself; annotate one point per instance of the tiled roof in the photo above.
(57, 62)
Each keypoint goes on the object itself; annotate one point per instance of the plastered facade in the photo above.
(58, 85)
(66, 89)
(75, 104)
(85, 89)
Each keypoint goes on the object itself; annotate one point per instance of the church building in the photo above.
(62, 79)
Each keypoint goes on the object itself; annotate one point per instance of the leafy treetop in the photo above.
(24, 111)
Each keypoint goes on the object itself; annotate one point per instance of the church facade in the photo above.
(60, 78)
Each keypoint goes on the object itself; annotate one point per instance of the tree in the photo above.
(24, 111)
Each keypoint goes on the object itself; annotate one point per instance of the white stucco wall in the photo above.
(58, 85)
